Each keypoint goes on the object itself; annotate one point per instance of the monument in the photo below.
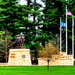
(19, 55)
(19, 42)
(61, 60)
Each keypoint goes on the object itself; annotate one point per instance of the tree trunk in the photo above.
(48, 64)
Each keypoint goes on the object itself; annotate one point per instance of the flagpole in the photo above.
(60, 37)
(72, 36)
(66, 29)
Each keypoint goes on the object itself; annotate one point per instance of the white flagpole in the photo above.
(60, 37)
(72, 36)
(66, 29)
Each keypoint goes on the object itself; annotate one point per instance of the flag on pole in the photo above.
(63, 24)
(69, 13)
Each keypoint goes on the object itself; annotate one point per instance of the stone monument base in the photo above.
(19, 57)
(61, 59)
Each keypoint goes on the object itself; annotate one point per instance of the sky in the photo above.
(24, 2)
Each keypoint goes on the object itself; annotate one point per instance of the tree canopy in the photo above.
(38, 25)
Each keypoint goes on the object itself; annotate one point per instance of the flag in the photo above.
(63, 24)
(69, 13)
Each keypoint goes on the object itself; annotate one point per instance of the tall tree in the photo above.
(5, 44)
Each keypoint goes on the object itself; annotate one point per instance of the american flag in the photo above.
(69, 13)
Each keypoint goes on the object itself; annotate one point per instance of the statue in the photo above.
(19, 42)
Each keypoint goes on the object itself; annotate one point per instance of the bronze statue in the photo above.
(19, 42)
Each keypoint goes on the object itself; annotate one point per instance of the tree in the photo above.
(5, 44)
(52, 12)
(50, 21)
(47, 52)
(15, 18)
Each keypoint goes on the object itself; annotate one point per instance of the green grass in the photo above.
(37, 70)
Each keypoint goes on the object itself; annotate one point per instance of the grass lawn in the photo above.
(37, 70)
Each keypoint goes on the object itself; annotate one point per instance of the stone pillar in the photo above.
(19, 57)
